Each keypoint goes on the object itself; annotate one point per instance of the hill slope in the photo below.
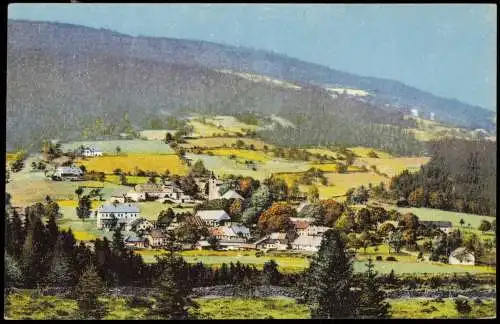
(70, 39)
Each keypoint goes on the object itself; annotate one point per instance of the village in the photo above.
(214, 227)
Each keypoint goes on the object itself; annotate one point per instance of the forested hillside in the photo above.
(66, 39)
(461, 176)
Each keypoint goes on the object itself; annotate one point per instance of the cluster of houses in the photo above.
(120, 210)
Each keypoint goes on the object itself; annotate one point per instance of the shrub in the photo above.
(462, 306)
(378, 258)
(139, 302)
(391, 258)
(435, 282)
(259, 254)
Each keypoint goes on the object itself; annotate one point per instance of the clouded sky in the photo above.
(449, 50)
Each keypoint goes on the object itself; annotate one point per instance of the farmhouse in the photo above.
(462, 256)
(68, 173)
(135, 241)
(273, 241)
(135, 196)
(307, 243)
(301, 226)
(232, 245)
(231, 194)
(444, 226)
(92, 152)
(213, 218)
(232, 233)
(156, 238)
(118, 196)
(150, 190)
(122, 214)
(139, 225)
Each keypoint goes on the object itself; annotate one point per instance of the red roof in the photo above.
(301, 224)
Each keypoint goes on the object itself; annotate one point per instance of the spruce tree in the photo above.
(172, 300)
(372, 300)
(61, 271)
(90, 287)
(12, 272)
(118, 244)
(328, 280)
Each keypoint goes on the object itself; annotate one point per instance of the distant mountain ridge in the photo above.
(71, 39)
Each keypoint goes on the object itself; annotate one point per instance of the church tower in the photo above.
(213, 188)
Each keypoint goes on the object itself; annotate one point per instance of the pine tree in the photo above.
(90, 287)
(271, 275)
(12, 272)
(61, 271)
(118, 244)
(372, 304)
(33, 260)
(328, 280)
(83, 208)
(172, 301)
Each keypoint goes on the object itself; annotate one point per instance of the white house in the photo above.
(233, 233)
(156, 238)
(307, 243)
(213, 218)
(273, 241)
(461, 256)
(123, 213)
(313, 230)
(444, 226)
(135, 196)
(231, 194)
(92, 152)
(68, 173)
(139, 225)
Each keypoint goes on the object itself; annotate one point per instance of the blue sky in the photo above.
(449, 50)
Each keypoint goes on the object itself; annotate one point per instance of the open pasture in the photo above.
(443, 215)
(219, 142)
(129, 162)
(230, 123)
(393, 166)
(242, 154)
(156, 134)
(126, 146)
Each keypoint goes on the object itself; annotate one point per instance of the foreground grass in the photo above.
(35, 307)
(426, 309)
(252, 308)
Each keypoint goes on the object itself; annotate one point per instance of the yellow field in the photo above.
(242, 154)
(83, 236)
(332, 167)
(338, 183)
(215, 142)
(151, 162)
(11, 157)
(130, 179)
(74, 203)
(393, 166)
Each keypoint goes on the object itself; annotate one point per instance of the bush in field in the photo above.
(435, 282)
(391, 258)
(462, 306)
(378, 258)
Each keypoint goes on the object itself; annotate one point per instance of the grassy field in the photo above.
(255, 308)
(443, 215)
(428, 309)
(128, 163)
(217, 142)
(393, 166)
(230, 123)
(126, 146)
(222, 165)
(26, 306)
(338, 183)
(156, 134)
(130, 179)
(204, 130)
(363, 152)
(405, 263)
(242, 154)
(27, 188)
